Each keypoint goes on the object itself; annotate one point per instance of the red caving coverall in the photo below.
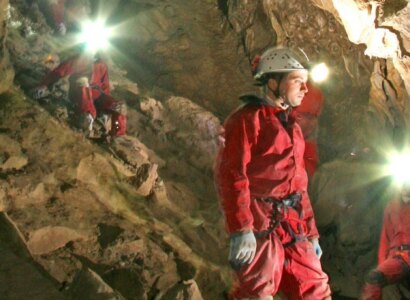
(307, 115)
(394, 250)
(85, 97)
(261, 158)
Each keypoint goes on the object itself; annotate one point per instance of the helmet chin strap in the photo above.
(280, 100)
(284, 103)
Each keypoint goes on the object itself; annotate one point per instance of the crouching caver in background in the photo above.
(394, 247)
(262, 182)
(89, 91)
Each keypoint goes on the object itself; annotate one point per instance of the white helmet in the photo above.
(277, 60)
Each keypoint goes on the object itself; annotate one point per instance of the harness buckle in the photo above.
(402, 248)
(279, 208)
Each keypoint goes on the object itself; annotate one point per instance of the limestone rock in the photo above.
(132, 151)
(48, 239)
(145, 179)
(196, 129)
(3, 202)
(89, 285)
(159, 195)
(11, 156)
(186, 290)
(153, 108)
(6, 69)
(62, 267)
(127, 249)
(14, 163)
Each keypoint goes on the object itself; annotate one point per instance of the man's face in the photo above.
(293, 87)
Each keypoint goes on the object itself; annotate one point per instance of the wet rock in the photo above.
(61, 265)
(145, 179)
(153, 108)
(14, 163)
(125, 251)
(21, 279)
(89, 168)
(48, 239)
(159, 195)
(133, 152)
(11, 156)
(89, 285)
(185, 290)
(40, 192)
(108, 234)
(6, 69)
(196, 129)
(182, 196)
(128, 282)
(3, 203)
(90, 171)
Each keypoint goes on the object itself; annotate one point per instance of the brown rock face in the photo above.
(6, 70)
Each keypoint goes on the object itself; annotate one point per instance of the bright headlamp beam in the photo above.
(319, 72)
(95, 35)
(399, 167)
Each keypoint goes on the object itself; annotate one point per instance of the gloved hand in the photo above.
(242, 249)
(316, 247)
(61, 29)
(40, 92)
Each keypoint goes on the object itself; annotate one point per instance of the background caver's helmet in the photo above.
(276, 60)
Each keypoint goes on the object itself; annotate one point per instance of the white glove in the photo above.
(88, 122)
(40, 92)
(316, 247)
(61, 29)
(242, 249)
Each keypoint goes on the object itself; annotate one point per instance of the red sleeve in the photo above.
(100, 77)
(384, 243)
(231, 170)
(64, 69)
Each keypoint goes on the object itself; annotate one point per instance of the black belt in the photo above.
(401, 248)
(279, 206)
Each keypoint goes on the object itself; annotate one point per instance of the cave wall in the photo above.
(6, 71)
(382, 27)
(185, 49)
(202, 50)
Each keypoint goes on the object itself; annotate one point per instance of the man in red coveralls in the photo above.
(262, 182)
(89, 90)
(394, 247)
(307, 115)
